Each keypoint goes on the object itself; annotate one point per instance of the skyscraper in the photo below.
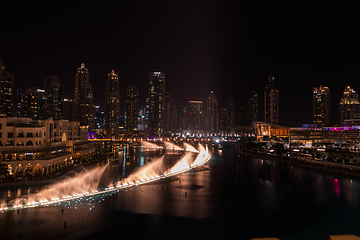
(53, 94)
(132, 100)
(211, 114)
(171, 119)
(19, 112)
(349, 107)
(253, 107)
(321, 106)
(271, 101)
(67, 109)
(83, 98)
(156, 103)
(195, 115)
(230, 114)
(6, 91)
(112, 104)
(224, 119)
(35, 103)
(243, 117)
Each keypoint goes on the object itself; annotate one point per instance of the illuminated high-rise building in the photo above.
(112, 104)
(132, 108)
(227, 116)
(195, 115)
(349, 107)
(156, 119)
(99, 118)
(52, 89)
(6, 91)
(20, 93)
(83, 98)
(67, 109)
(211, 113)
(171, 114)
(253, 107)
(35, 103)
(321, 106)
(271, 101)
(243, 116)
(230, 114)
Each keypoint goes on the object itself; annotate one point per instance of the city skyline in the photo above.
(52, 84)
(224, 47)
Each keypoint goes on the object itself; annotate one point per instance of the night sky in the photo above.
(228, 47)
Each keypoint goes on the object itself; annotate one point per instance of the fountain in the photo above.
(181, 165)
(172, 146)
(86, 184)
(83, 183)
(189, 148)
(147, 172)
(201, 157)
(145, 144)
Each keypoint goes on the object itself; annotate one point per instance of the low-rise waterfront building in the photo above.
(262, 129)
(40, 147)
(314, 136)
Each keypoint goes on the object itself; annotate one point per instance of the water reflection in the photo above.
(230, 191)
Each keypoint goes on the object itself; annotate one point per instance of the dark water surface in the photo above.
(230, 197)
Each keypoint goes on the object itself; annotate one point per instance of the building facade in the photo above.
(35, 104)
(195, 115)
(112, 104)
(321, 106)
(171, 114)
(317, 136)
(212, 113)
(271, 101)
(132, 108)
(253, 106)
(156, 119)
(40, 147)
(6, 91)
(349, 107)
(67, 109)
(52, 89)
(262, 129)
(83, 98)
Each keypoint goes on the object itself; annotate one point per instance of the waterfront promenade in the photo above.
(338, 168)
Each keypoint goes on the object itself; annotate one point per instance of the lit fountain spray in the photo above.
(82, 185)
(145, 144)
(190, 148)
(86, 184)
(172, 146)
(146, 173)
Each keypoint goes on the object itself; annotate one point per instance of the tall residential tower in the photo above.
(321, 106)
(53, 95)
(132, 108)
(112, 104)
(6, 91)
(211, 113)
(156, 103)
(349, 107)
(271, 103)
(83, 98)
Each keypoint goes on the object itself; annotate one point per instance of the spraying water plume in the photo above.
(87, 183)
(172, 146)
(147, 172)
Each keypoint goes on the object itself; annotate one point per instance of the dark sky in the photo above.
(225, 46)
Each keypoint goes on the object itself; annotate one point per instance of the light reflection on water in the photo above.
(250, 192)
